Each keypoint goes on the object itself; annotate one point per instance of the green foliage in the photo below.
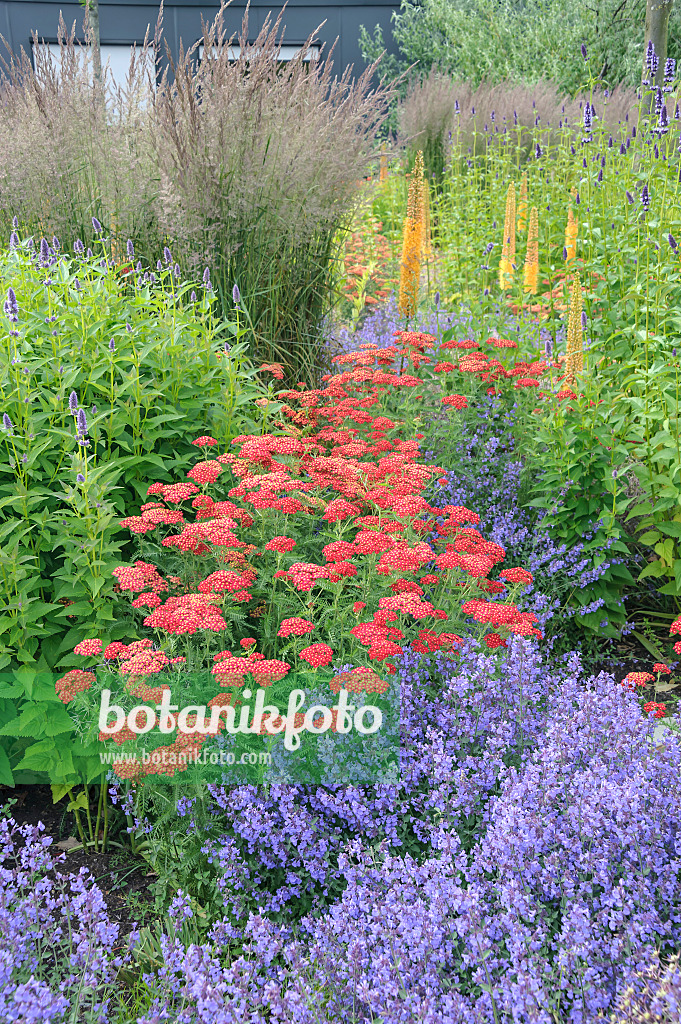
(579, 494)
(150, 372)
(520, 40)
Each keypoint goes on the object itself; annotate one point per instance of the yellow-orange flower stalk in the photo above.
(531, 283)
(522, 205)
(508, 245)
(383, 169)
(571, 229)
(575, 341)
(412, 243)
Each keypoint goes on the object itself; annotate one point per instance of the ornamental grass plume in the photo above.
(412, 243)
(532, 256)
(508, 246)
(575, 354)
(522, 205)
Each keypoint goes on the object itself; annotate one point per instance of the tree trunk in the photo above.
(92, 12)
(657, 25)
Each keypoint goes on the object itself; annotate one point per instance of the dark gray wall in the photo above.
(125, 22)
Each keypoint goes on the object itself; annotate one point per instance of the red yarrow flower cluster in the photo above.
(295, 627)
(88, 648)
(317, 655)
(187, 614)
(74, 682)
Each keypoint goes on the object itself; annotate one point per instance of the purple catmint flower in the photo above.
(176, 271)
(11, 306)
(80, 479)
(437, 299)
(167, 256)
(78, 247)
(645, 197)
(44, 251)
(672, 243)
(629, 196)
(13, 240)
(236, 295)
(138, 267)
(97, 227)
(599, 176)
(669, 72)
(565, 253)
(7, 423)
(538, 151)
(89, 253)
(81, 422)
(192, 297)
(159, 266)
(662, 126)
(548, 347)
(583, 320)
(583, 49)
(73, 403)
(588, 123)
(76, 284)
(130, 248)
(112, 345)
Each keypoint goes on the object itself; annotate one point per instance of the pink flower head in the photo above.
(88, 647)
(295, 627)
(280, 544)
(205, 472)
(317, 654)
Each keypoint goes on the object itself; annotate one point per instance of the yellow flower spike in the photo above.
(412, 243)
(571, 229)
(574, 352)
(383, 169)
(508, 246)
(522, 205)
(531, 282)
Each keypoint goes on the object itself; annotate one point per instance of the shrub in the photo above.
(105, 379)
(520, 40)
